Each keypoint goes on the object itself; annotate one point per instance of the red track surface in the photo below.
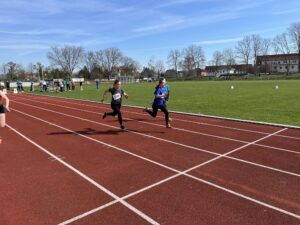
(61, 163)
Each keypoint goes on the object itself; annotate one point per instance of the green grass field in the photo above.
(250, 100)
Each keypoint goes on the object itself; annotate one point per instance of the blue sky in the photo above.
(140, 29)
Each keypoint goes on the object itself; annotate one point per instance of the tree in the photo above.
(217, 60)
(85, 73)
(100, 70)
(151, 67)
(266, 44)
(90, 61)
(30, 68)
(12, 71)
(281, 45)
(257, 42)
(157, 66)
(56, 74)
(174, 58)
(160, 67)
(67, 58)
(112, 57)
(193, 58)
(39, 67)
(130, 66)
(228, 57)
(243, 50)
(294, 32)
(188, 64)
(4, 69)
(196, 53)
(146, 72)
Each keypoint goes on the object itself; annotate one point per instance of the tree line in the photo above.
(111, 62)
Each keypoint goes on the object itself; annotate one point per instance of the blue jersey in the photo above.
(160, 91)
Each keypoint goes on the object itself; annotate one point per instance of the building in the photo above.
(171, 74)
(281, 63)
(223, 70)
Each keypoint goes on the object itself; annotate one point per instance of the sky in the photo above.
(140, 29)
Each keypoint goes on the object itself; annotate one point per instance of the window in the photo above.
(281, 68)
(275, 67)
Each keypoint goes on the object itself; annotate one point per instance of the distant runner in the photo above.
(116, 102)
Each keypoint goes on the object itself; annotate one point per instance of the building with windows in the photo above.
(281, 63)
(223, 70)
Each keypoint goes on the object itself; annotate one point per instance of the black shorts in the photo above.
(2, 109)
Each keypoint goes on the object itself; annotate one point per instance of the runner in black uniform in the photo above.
(116, 102)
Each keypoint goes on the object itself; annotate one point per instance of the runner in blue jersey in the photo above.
(160, 93)
(117, 93)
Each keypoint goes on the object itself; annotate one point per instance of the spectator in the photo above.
(97, 84)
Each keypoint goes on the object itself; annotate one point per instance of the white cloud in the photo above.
(220, 41)
(47, 32)
(179, 2)
(24, 46)
(175, 23)
(286, 11)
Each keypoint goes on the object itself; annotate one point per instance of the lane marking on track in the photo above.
(148, 123)
(185, 173)
(68, 100)
(85, 177)
(160, 139)
(180, 129)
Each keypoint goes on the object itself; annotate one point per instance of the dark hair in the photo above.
(161, 80)
(116, 81)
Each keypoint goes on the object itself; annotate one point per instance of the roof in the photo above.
(278, 57)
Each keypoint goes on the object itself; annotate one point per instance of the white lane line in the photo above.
(149, 136)
(98, 141)
(88, 213)
(153, 124)
(85, 177)
(246, 197)
(237, 149)
(67, 100)
(276, 148)
(180, 173)
(185, 173)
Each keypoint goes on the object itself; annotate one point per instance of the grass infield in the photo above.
(249, 100)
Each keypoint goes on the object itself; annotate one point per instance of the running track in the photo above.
(62, 164)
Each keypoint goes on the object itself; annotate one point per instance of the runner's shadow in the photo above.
(88, 132)
(135, 120)
(147, 132)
